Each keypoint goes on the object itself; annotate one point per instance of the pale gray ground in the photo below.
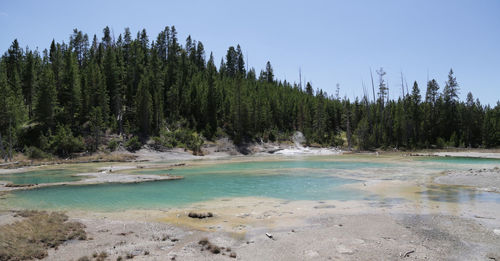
(474, 154)
(96, 178)
(333, 233)
(482, 179)
(401, 225)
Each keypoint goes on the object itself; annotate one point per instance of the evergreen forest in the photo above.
(97, 93)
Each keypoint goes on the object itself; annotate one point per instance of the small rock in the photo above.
(496, 232)
(136, 252)
(344, 250)
(359, 241)
(311, 254)
(324, 206)
(493, 257)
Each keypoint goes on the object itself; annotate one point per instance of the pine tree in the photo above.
(269, 72)
(96, 126)
(431, 112)
(432, 92)
(70, 94)
(231, 62)
(144, 107)
(450, 112)
(240, 64)
(415, 113)
(309, 89)
(79, 42)
(469, 119)
(106, 39)
(98, 93)
(46, 99)
(450, 92)
(112, 78)
(382, 87)
(200, 56)
(56, 62)
(12, 109)
(156, 87)
(29, 82)
(211, 98)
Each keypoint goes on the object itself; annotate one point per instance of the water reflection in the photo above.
(457, 194)
(41, 176)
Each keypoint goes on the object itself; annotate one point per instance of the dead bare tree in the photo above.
(373, 86)
(348, 129)
(300, 78)
(347, 115)
(402, 84)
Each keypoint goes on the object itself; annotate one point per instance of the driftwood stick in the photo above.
(407, 254)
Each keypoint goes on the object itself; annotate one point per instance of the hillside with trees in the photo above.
(73, 96)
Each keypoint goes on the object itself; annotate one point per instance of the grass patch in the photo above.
(38, 231)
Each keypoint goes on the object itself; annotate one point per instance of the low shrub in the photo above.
(200, 215)
(36, 153)
(440, 143)
(133, 144)
(63, 143)
(204, 241)
(183, 138)
(113, 144)
(102, 256)
(214, 249)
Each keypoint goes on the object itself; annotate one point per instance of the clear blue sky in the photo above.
(332, 41)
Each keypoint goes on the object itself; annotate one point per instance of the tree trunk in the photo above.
(373, 86)
(348, 129)
(2, 149)
(120, 121)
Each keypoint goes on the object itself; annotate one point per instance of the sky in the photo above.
(332, 42)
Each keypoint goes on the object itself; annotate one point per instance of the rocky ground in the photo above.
(266, 229)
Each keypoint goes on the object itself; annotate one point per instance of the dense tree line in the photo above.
(64, 100)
